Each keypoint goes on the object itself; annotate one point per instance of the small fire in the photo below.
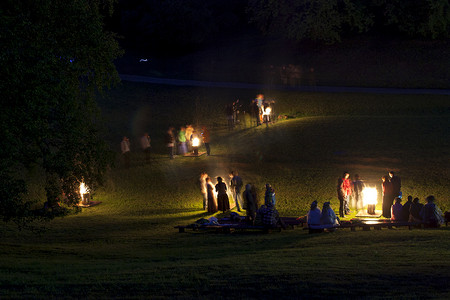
(267, 111)
(369, 196)
(83, 190)
(195, 142)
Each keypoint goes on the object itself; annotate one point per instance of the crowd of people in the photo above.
(177, 143)
(414, 211)
(216, 197)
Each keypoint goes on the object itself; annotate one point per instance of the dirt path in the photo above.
(321, 89)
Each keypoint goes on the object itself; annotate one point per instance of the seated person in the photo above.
(268, 216)
(328, 216)
(396, 210)
(431, 214)
(414, 211)
(406, 208)
(313, 216)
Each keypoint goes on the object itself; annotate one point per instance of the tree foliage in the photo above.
(54, 56)
(328, 20)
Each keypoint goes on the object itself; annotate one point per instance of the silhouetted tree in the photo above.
(54, 56)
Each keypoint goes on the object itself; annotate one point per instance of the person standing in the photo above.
(236, 186)
(211, 198)
(125, 147)
(269, 196)
(251, 203)
(189, 131)
(344, 190)
(206, 139)
(357, 186)
(388, 200)
(396, 185)
(222, 197)
(145, 144)
(203, 189)
(170, 141)
(182, 149)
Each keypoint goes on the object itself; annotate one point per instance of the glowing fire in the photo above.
(369, 196)
(267, 111)
(195, 142)
(83, 190)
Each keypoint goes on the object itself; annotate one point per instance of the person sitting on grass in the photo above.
(414, 211)
(431, 214)
(313, 216)
(396, 210)
(328, 216)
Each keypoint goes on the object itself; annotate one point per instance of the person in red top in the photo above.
(344, 190)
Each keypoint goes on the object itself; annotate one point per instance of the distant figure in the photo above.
(189, 131)
(182, 148)
(222, 197)
(431, 215)
(236, 186)
(125, 147)
(146, 147)
(387, 196)
(414, 211)
(344, 190)
(397, 210)
(212, 201)
(269, 196)
(206, 139)
(259, 103)
(203, 189)
(407, 208)
(396, 185)
(230, 115)
(313, 217)
(328, 217)
(170, 141)
(250, 202)
(357, 199)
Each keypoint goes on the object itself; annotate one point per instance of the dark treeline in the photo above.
(178, 25)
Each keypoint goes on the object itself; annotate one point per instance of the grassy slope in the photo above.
(127, 247)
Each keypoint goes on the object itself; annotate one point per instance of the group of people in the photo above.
(185, 140)
(322, 219)
(347, 188)
(352, 190)
(262, 112)
(215, 197)
(126, 149)
(414, 211)
(180, 143)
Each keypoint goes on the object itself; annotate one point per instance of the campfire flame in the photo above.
(195, 142)
(83, 190)
(267, 111)
(369, 196)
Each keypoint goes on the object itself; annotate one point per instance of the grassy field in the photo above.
(127, 247)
